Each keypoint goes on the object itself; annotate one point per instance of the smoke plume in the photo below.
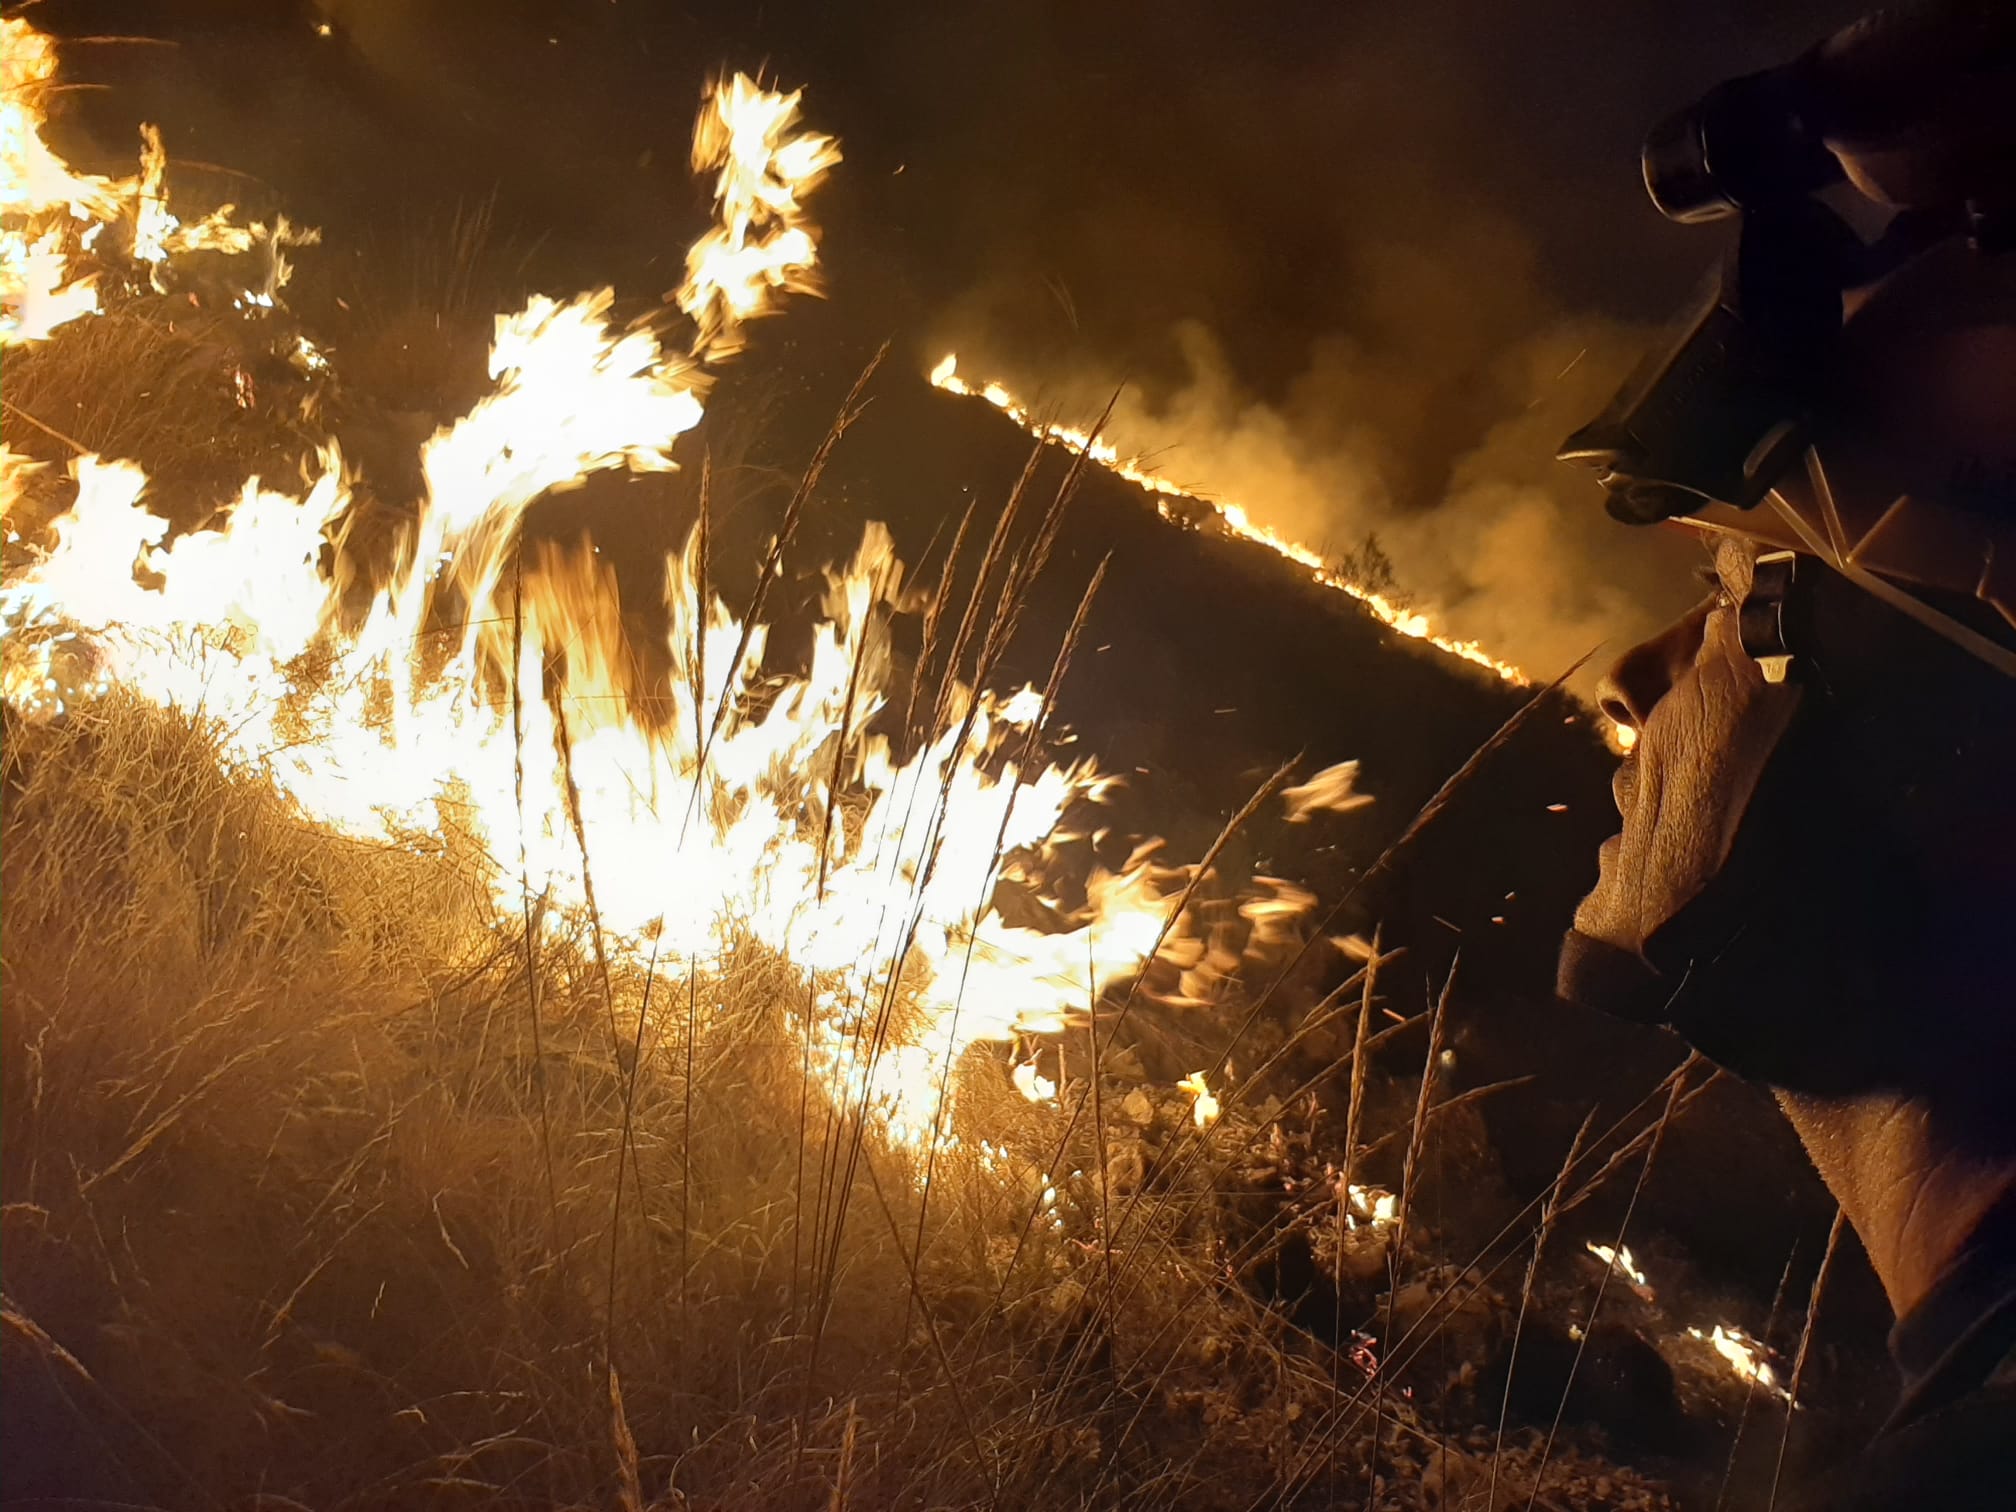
(1497, 541)
(1363, 277)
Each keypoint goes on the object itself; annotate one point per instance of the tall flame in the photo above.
(761, 242)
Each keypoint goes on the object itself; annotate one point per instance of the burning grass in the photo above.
(449, 1059)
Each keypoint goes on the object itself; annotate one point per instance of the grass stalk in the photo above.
(1603, 1282)
(531, 918)
(1813, 1297)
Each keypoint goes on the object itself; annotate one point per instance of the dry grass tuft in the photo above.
(160, 381)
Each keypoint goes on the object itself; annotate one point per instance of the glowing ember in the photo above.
(1203, 1104)
(1234, 518)
(308, 357)
(1745, 1356)
(1032, 1083)
(1374, 1205)
(1332, 790)
(1620, 1261)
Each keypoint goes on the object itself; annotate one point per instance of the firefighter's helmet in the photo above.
(1846, 396)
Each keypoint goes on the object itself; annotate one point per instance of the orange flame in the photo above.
(761, 242)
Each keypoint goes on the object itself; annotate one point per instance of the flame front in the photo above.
(1233, 517)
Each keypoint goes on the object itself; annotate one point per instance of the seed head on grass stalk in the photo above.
(1754, 1380)
(1019, 576)
(1041, 1411)
(851, 409)
(934, 614)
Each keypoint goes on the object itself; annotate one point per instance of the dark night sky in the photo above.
(1157, 161)
(1363, 264)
